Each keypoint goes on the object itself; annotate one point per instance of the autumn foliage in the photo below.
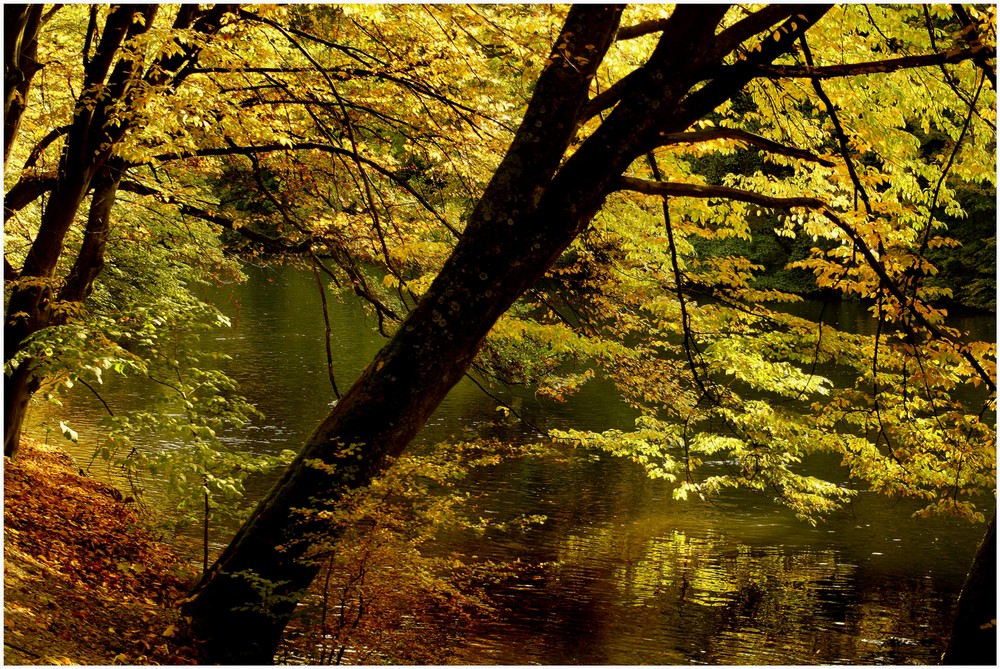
(540, 205)
(85, 582)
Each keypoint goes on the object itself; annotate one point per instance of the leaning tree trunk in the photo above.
(974, 635)
(407, 380)
(530, 212)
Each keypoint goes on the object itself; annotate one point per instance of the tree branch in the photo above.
(667, 189)
(271, 243)
(732, 78)
(761, 20)
(43, 143)
(640, 29)
(838, 130)
(306, 146)
(609, 98)
(745, 137)
(29, 188)
(982, 60)
(876, 67)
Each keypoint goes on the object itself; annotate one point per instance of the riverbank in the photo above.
(85, 581)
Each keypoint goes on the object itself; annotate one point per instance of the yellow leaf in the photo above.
(170, 631)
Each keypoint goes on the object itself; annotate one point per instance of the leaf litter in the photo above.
(85, 582)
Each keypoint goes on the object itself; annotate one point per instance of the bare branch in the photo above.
(640, 29)
(668, 189)
(838, 129)
(43, 143)
(326, 321)
(609, 98)
(29, 188)
(696, 362)
(745, 137)
(876, 67)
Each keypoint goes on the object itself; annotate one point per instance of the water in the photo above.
(635, 576)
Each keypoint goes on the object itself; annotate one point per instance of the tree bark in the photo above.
(531, 211)
(90, 259)
(974, 635)
(18, 387)
(20, 63)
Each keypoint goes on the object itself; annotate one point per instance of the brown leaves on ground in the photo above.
(84, 581)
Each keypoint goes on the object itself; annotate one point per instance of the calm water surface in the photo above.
(635, 576)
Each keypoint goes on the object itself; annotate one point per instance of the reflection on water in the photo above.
(638, 578)
(632, 576)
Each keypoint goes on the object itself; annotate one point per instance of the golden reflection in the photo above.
(723, 602)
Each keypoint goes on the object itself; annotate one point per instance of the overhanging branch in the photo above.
(768, 145)
(271, 243)
(313, 146)
(877, 66)
(667, 189)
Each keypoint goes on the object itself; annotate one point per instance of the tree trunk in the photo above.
(90, 259)
(18, 387)
(974, 635)
(408, 378)
(29, 306)
(21, 385)
(20, 63)
(89, 145)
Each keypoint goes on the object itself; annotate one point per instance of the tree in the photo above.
(111, 103)
(165, 105)
(363, 135)
(974, 637)
(571, 151)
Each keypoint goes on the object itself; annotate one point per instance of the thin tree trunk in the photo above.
(974, 635)
(20, 51)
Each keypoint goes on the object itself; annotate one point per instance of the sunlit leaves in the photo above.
(366, 135)
(384, 592)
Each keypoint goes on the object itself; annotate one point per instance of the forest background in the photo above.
(539, 195)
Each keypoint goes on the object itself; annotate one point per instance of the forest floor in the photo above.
(85, 581)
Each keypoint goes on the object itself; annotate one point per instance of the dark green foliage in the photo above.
(970, 270)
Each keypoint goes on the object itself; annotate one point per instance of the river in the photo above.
(634, 576)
